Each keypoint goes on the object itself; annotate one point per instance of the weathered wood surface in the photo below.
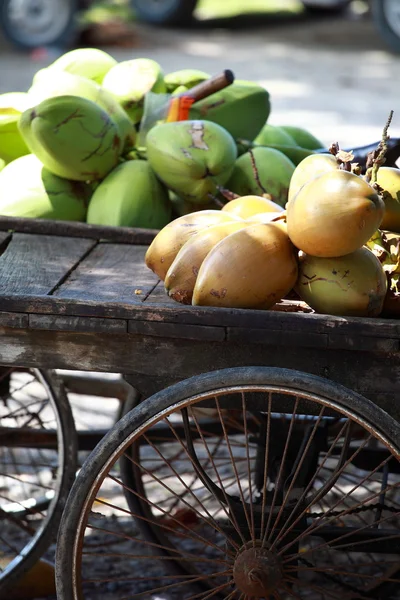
(125, 235)
(153, 362)
(264, 321)
(82, 303)
(112, 272)
(36, 264)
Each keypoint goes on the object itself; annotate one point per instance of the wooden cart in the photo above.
(256, 475)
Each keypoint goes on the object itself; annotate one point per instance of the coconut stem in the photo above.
(255, 172)
(377, 158)
(216, 200)
(247, 144)
(227, 193)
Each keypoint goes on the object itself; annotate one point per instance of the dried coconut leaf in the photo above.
(386, 247)
(345, 157)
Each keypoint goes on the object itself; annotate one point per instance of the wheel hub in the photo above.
(257, 571)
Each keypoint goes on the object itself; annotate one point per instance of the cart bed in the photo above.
(80, 297)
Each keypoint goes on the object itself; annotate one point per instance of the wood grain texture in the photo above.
(159, 297)
(126, 235)
(112, 272)
(35, 264)
(279, 337)
(188, 332)
(148, 357)
(81, 324)
(10, 319)
(244, 324)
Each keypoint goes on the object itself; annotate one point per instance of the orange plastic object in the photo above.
(179, 108)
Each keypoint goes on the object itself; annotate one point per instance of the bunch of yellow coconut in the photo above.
(253, 253)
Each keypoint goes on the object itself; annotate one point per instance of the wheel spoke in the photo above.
(194, 535)
(252, 532)
(313, 528)
(351, 544)
(179, 552)
(266, 460)
(294, 478)
(265, 535)
(245, 508)
(200, 596)
(231, 517)
(289, 528)
(180, 498)
(189, 578)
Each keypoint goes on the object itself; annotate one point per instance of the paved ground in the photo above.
(333, 76)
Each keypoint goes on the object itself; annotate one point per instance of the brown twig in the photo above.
(255, 172)
(377, 158)
(334, 148)
(227, 193)
(216, 200)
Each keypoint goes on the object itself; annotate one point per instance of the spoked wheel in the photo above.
(252, 483)
(37, 467)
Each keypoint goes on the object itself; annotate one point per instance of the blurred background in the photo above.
(330, 65)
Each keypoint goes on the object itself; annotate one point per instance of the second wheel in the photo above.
(244, 483)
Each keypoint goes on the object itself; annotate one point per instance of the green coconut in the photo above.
(91, 63)
(55, 83)
(73, 137)
(130, 80)
(29, 190)
(130, 196)
(192, 158)
(242, 108)
(302, 137)
(354, 285)
(262, 171)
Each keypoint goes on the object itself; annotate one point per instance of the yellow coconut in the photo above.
(247, 206)
(351, 285)
(182, 274)
(334, 214)
(389, 180)
(309, 168)
(251, 268)
(278, 219)
(167, 243)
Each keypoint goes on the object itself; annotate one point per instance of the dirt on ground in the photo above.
(332, 75)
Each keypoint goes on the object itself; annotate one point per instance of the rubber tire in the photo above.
(21, 40)
(67, 449)
(329, 10)
(114, 441)
(180, 13)
(391, 39)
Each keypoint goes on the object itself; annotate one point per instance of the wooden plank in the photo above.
(176, 330)
(211, 317)
(269, 319)
(363, 343)
(170, 359)
(35, 264)
(126, 235)
(17, 320)
(158, 296)
(279, 337)
(112, 272)
(81, 324)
